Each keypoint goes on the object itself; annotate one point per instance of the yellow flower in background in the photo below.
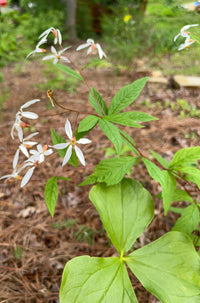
(127, 18)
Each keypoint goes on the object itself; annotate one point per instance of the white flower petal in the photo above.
(46, 32)
(6, 177)
(89, 50)
(101, 53)
(27, 176)
(16, 158)
(55, 60)
(48, 57)
(60, 145)
(53, 50)
(29, 115)
(48, 152)
(31, 136)
(24, 150)
(27, 104)
(83, 141)
(68, 129)
(84, 45)
(67, 156)
(90, 41)
(20, 133)
(79, 155)
(39, 148)
(64, 59)
(59, 37)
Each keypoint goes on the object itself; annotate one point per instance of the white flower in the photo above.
(38, 156)
(38, 49)
(72, 144)
(19, 115)
(56, 33)
(92, 47)
(57, 56)
(187, 43)
(23, 147)
(14, 175)
(184, 32)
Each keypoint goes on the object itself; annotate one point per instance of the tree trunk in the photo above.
(71, 18)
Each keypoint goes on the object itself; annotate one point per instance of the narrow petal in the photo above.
(31, 136)
(6, 177)
(68, 129)
(84, 45)
(16, 158)
(83, 141)
(33, 152)
(63, 50)
(101, 53)
(64, 59)
(27, 104)
(89, 50)
(60, 145)
(24, 150)
(39, 148)
(53, 50)
(48, 152)
(55, 60)
(46, 32)
(80, 155)
(27, 176)
(29, 115)
(59, 37)
(20, 133)
(48, 57)
(67, 156)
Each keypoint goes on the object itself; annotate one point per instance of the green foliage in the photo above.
(69, 71)
(162, 266)
(51, 193)
(111, 171)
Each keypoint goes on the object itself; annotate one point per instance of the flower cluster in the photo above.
(57, 55)
(184, 33)
(37, 156)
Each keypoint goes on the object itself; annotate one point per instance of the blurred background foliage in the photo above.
(129, 29)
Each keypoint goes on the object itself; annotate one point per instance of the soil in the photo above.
(34, 247)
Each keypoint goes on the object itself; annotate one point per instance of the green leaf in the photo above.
(100, 100)
(128, 140)
(168, 268)
(168, 187)
(166, 180)
(126, 95)
(95, 280)
(88, 123)
(91, 179)
(181, 195)
(112, 132)
(192, 174)
(160, 159)
(185, 156)
(122, 120)
(51, 194)
(189, 220)
(126, 209)
(69, 71)
(95, 104)
(111, 171)
(56, 139)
